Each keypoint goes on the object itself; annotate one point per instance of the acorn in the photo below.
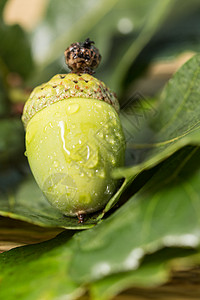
(74, 138)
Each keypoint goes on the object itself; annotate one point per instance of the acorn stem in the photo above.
(80, 216)
(87, 43)
(82, 57)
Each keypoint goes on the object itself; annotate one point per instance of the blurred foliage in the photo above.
(154, 132)
(135, 242)
(15, 49)
(11, 140)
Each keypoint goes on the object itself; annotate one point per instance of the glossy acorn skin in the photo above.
(72, 146)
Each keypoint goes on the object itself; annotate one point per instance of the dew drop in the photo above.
(89, 174)
(118, 134)
(73, 108)
(108, 190)
(47, 126)
(101, 173)
(99, 105)
(113, 161)
(100, 134)
(92, 158)
(111, 141)
(57, 114)
(30, 134)
(56, 164)
(25, 153)
(113, 122)
(62, 128)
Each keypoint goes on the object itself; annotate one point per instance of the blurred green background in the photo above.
(142, 44)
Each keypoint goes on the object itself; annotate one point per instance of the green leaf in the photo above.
(116, 197)
(4, 105)
(39, 271)
(149, 275)
(161, 136)
(28, 204)
(15, 52)
(175, 124)
(154, 271)
(164, 213)
(2, 5)
(176, 35)
(11, 140)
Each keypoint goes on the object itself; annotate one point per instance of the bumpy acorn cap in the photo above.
(64, 86)
(81, 58)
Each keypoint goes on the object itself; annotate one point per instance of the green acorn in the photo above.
(74, 138)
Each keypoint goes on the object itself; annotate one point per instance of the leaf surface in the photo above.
(174, 123)
(154, 271)
(165, 213)
(15, 51)
(38, 271)
(41, 271)
(11, 140)
(28, 204)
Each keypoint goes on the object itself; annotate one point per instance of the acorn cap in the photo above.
(65, 86)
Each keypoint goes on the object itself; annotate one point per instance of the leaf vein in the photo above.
(188, 90)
